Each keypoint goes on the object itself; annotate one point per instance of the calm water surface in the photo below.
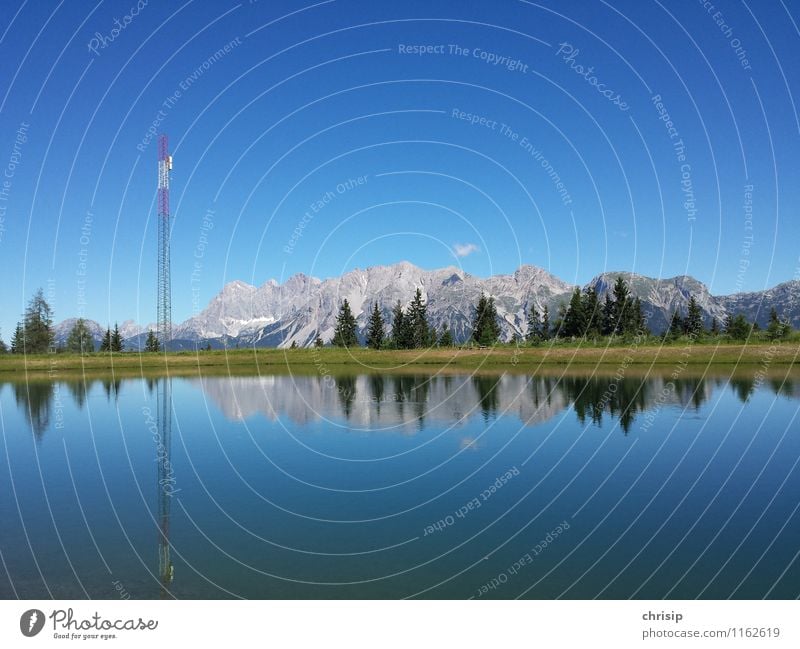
(401, 486)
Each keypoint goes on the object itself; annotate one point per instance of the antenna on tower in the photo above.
(164, 306)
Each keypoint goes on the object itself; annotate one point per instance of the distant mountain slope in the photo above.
(785, 298)
(296, 311)
(662, 297)
(276, 315)
(129, 330)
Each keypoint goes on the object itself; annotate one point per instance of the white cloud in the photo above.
(464, 249)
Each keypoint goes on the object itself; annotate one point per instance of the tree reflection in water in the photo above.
(381, 399)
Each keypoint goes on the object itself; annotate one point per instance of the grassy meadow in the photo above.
(503, 357)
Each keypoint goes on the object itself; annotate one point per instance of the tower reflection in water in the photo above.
(166, 484)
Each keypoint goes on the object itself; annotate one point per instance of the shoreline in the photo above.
(361, 360)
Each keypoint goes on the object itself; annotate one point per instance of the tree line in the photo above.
(620, 314)
(584, 316)
(411, 328)
(35, 334)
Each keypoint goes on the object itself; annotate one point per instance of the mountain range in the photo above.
(303, 307)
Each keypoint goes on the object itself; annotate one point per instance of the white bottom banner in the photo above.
(400, 623)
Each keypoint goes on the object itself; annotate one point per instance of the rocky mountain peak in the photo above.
(304, 307)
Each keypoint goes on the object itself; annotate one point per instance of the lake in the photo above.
(411, 485)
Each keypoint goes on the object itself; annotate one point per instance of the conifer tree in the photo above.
(105, 345)
(18, 340)
(545, 327)
(318, 341)
(80, 340)
(3, 347)
(558, 325)
(622, 307)
(777, 329)
(676, 325)
(401, 328)
(607, 325)
(693, 325)
(398, 325)
(418, 321)
(375, 331)
(534, 325)
(116, 339)
(446, 339)
(737, 327)
(714, 327)
(38, 325)
(639, 322)
(151, 342)
(485, 328)
(592, 313)
(345, 333)
(574, 319)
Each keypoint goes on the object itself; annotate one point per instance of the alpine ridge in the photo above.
(303, 307)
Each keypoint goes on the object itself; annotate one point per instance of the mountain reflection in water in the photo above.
(365, 485)
(385, 401)
(377, 401)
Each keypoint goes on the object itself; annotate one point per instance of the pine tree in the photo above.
(492, 326)
(608, 325)
(318, 341)
(151, 343)
(433, 336)
(558, 325)
(534, 334)
(727, 323)
(398, 325)
(345, 333)
(575, 319)
(714, 327)
(737, 327)
(639, 322)
(592, 312)
(776, 329)
(622, 307)
(105, 345)
(375, 331)
(545, 328)
(401, 328)
(418, 321)
(18, 340)
(3, 347)
(38, 325)
(485, 328)
(116, 340)
(293, 345)
(80, 340)
(676, 325)
(693, 325)
(446, 339)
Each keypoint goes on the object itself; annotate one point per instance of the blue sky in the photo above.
(389, 118)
